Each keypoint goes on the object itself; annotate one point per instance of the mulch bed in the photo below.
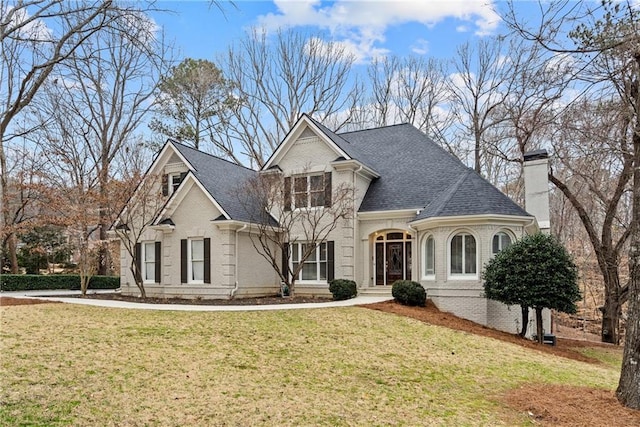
(544, 404)
(6, 301)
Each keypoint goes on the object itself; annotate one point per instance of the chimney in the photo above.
(536, 187)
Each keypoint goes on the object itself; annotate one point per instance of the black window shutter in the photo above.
(138, 260)
(183, 261)
(285, 260)
(165, 185)
(158, 261)
(327, 189)
(330, 261)
(287, 193)
(207, 260)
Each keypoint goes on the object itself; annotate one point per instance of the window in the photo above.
(171, 182)
(149, 262)
(429, 256)
(147, 259)
(500, 241)
(175, 179)
(315, 266)
(196, 260)
(463, 254)
(309, 191)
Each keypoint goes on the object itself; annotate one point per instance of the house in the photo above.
(419, 214)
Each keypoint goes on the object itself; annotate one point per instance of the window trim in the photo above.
(190, 260)
(144, 261)
(173, 186)
(308, 193)
(425, 274)
(296, 249)
(496, 234)
(463, 275)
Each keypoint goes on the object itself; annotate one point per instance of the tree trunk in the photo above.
(103, 252)
(12, 243)
(611, 309)
(628, 391)
(539, 329)
(525, 320)
(103, 249)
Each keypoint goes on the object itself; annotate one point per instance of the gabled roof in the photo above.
(416, 173)
(344, 150)
(352, 151)
(222, 179)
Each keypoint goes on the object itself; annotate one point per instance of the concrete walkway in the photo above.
(50, 296)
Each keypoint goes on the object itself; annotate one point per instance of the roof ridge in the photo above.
(210, 155)
(376, 128)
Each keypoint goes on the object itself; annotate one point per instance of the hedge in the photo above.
(37, 282)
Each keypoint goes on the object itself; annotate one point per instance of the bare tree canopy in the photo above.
(37, 37)
(278, 77)
(409, 90)
(603, 40)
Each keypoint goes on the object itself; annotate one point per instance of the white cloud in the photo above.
(35, 29)
(421, 47)
(362, 24)
(360, 51)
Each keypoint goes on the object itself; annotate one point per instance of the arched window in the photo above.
(463, 254)
(429, 256)
(501, 241)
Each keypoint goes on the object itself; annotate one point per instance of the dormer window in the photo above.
(308, 191)
(171, 182)
(175, 180)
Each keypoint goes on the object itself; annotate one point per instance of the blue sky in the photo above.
(367, 28)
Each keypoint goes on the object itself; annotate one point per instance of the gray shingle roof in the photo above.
(223, 180)
(416, 173)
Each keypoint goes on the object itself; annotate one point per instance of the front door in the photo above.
(395, 261)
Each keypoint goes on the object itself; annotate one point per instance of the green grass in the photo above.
(609, 356)
(75, 365)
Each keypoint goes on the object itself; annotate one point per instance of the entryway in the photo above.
(392, 257)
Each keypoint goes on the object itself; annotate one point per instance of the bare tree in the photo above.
(480, 86)
(595, 171)
(603, 40)
(105, 89)
(36, 37)
(410, 90)
(141, 209)
(277, 224)
(25, 195)
(278, 77)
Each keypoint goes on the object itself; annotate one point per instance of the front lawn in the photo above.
(77, 365)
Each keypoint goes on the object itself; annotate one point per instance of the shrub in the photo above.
(407, 292)
(36, 282)
(342, 289)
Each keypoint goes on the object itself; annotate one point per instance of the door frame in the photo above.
(381, 241)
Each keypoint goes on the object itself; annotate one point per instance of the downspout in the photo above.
(355, 223)
(235, 288)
